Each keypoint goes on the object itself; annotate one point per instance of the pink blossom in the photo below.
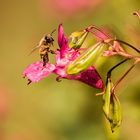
(37, 71)
(64, 56)
(68, 8)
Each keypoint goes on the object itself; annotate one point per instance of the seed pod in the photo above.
(77, 39)
(106, 98)
(115, 117)
(111, 106)
(86, 59)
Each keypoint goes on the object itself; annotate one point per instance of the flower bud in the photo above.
(77, 39)
(86, 59)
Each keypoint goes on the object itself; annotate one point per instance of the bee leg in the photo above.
(41, 56)
(29, 82)
(52, 52)
(58, 79)
(45, 59)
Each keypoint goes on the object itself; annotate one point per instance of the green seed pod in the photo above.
(86, 59)
(77, 39)
(115, 117)
(111, 107)
(106, 98)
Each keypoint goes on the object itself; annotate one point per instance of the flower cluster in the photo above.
(64, 56)
(74, 62)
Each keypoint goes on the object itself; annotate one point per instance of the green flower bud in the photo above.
(77, 39)
(86, 59)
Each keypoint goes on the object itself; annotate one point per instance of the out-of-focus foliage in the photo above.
(67, 110)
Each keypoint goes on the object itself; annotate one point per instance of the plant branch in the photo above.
(129, 45)
(116, 84)
(110, 71)
(96, 28)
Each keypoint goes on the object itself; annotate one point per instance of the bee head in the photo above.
(49, 38)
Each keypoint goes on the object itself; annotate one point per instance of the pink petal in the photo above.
(61, 72)
(91, 77)
(68, 56)
(60, 34)
(61, 62)
(62, 41)
(37, 71)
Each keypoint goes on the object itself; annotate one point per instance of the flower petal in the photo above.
(60, 35)
(61, 62)
(37, 71)
(91, 77)
(62, 41)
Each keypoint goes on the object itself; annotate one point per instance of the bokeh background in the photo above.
(67, 110)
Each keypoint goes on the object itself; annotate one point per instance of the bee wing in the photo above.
(34, 49)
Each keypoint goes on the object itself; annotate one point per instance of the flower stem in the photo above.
(110, 71)
(129, 45)
(116, 84)
(89, 29)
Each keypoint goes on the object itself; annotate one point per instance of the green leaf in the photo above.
(86, 59)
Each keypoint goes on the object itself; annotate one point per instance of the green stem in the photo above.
(96, 28)
(110, 71)
(129, 45)
(116, 84)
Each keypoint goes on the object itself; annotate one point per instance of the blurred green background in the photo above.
(67, 110)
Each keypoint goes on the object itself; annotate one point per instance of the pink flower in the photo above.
(37, 71)
(64, 56)
(68, 8)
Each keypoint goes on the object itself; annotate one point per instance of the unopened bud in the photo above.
(77, 39)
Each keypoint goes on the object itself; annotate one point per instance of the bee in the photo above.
(44, 47)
